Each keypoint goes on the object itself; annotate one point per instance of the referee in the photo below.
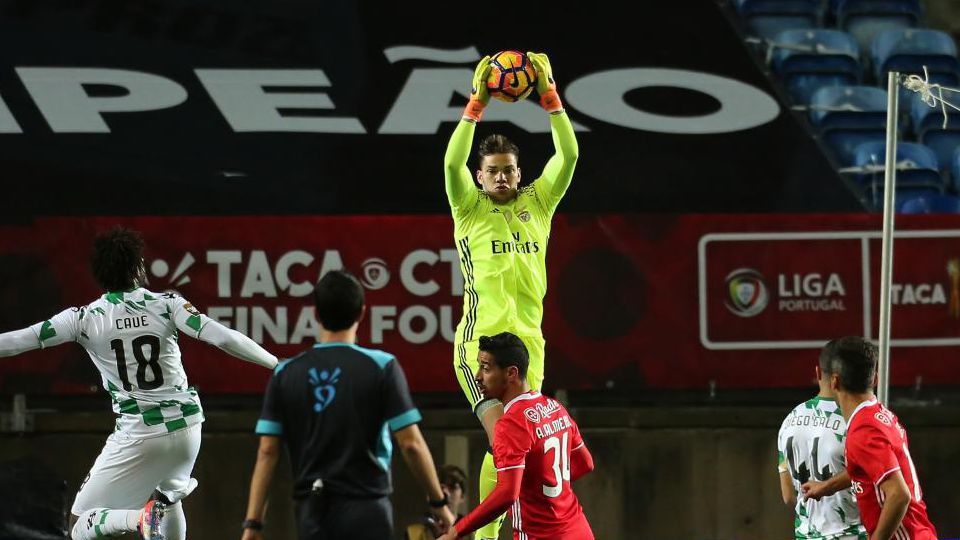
(335, 406)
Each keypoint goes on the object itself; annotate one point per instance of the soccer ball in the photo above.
(512, 78)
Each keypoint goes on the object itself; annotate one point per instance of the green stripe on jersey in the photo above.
(194, 322)
(47, 331)
(174, 425)
(189, 409)
(129, 406)
(153, 417)
(103, 519)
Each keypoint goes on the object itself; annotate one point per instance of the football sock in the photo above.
(102, 522)
(174, 524)
(488, 481)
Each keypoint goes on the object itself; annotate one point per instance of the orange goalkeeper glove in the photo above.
(546, 86)
(479, 94)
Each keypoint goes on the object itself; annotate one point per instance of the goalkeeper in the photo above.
(501, 231)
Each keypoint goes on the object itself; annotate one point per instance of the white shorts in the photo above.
(128, 470)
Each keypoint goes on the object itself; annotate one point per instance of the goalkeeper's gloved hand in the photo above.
(546, 86)
(479, 94)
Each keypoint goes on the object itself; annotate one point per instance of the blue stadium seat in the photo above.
(907, 51)
(864, 19)
(928, 128)
(955, 170)
(917, 171)
(932, 203)
(846, 116)
(767, 18)
(809, 59)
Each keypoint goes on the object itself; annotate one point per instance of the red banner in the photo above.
(634, 302)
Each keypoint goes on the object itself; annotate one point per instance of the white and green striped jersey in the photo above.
(132, 339)
(810, 447)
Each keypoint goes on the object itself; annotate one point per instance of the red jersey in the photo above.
(876, 447)
(537, 434)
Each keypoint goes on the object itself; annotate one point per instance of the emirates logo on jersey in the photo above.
(883, 418)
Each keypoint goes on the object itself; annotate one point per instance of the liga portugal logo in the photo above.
(747, 293)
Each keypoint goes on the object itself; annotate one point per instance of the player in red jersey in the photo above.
(537, 450)
(879, 465)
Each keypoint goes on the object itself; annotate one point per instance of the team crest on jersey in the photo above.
(532, 415)
(524, 216)
(325, 387)
(883, 418)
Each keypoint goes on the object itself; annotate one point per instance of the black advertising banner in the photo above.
(179, 107)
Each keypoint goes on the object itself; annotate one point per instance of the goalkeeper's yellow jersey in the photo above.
(503, 247)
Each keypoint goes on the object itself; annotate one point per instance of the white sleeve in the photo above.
(188, 319)
(17, 342)
(191, 322)
(64, 327)
(782, 465)
(236, 344)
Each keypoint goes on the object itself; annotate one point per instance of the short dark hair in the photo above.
(854, 359)
(507, 350)
(117, 259)
(496, 144)
(339, 300)
(451, 476)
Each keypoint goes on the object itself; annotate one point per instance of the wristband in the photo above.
(550, 101)
(474, 111)
(254, 524)
(440, 503)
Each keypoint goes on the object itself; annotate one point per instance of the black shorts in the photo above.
(333, 517)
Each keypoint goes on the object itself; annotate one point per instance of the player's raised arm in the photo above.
(61, 328)
(236, 344)
(190, 321)
(461, 189)
(18, 342)
(558, 173)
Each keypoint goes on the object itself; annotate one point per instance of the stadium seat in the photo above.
(846, 116)
(928, 128)
(933, 203)
(767, 18)
(955, 171)
(864, 19)
(809, 59)
(908, 51)
(917, 171)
